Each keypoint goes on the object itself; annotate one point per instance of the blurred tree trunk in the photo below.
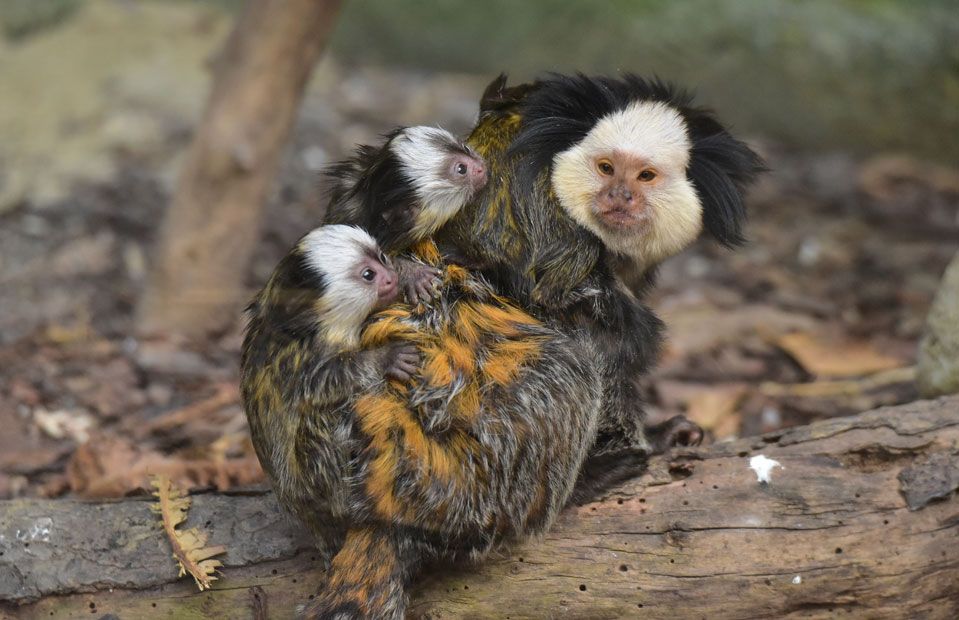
(213, 222)
(939, 348)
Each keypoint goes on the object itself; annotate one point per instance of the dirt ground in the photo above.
(818, 316)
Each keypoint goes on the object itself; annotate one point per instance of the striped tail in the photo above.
(366, 580)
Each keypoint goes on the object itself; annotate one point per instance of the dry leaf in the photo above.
(188, 545)
(700, 328)
(226, 394)
(832, 389)
(715, 410)
(834, 358)
(882, 176)
(113, 466)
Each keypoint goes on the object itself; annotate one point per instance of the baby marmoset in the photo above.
(482, 446)
(403, 191)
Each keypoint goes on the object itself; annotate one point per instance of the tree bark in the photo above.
(213, 222)
(862, 521)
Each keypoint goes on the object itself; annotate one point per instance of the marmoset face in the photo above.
(626, 182)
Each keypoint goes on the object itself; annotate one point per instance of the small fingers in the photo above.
(424, 292)
(412, 295)
(407, 349)
(407, 366)
(399, 375)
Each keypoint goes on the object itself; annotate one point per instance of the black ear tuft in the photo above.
(286, 305)
(498, 96)
(557, 115)
(721, 169)
(371, 190)
(493, 93)
(562, 109)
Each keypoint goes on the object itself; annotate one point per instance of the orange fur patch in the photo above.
(456, 274)
(467, 402)
(507, 358)
(380, 482)
(378, 415)
(390, 324)
(427, 251)
(461, 356)
(436, 368)
(361, 569)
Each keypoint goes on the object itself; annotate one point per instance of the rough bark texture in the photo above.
(212, 225)
(862, 521)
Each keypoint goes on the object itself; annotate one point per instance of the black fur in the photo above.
(498, 97)
(293, 290)
(369, 190)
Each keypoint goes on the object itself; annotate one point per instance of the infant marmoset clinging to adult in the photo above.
(403, 191)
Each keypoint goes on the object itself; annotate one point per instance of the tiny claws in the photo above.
(410, 291)
(404, 363)
(437, 288)
(422, 285)
(399, 375)
(677, 431)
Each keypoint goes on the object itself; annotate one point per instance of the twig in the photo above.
(852, 387)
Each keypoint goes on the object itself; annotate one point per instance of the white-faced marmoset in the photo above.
(402, 191)
(481, 446)
(586, 175)
(589, 175)
(444, 462)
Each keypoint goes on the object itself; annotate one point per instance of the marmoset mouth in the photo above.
(623, 221)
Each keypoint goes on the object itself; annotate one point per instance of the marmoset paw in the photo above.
(422, 284)
(676, 431)
(402, 362)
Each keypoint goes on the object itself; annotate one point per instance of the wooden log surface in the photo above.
(862, 521)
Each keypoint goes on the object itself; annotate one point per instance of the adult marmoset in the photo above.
(590, 175)
(481, 446)
(402, 191)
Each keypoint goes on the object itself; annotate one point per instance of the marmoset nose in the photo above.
(478, 176)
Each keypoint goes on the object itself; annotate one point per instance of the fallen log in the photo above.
(862, 520)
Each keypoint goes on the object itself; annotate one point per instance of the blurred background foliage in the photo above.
(855, 74)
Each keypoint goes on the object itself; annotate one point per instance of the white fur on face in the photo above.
(656, 133)
(337, 253)
(425, 164)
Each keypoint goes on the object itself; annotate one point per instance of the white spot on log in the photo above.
(763, 467)
(40, 530)
(797, 580)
